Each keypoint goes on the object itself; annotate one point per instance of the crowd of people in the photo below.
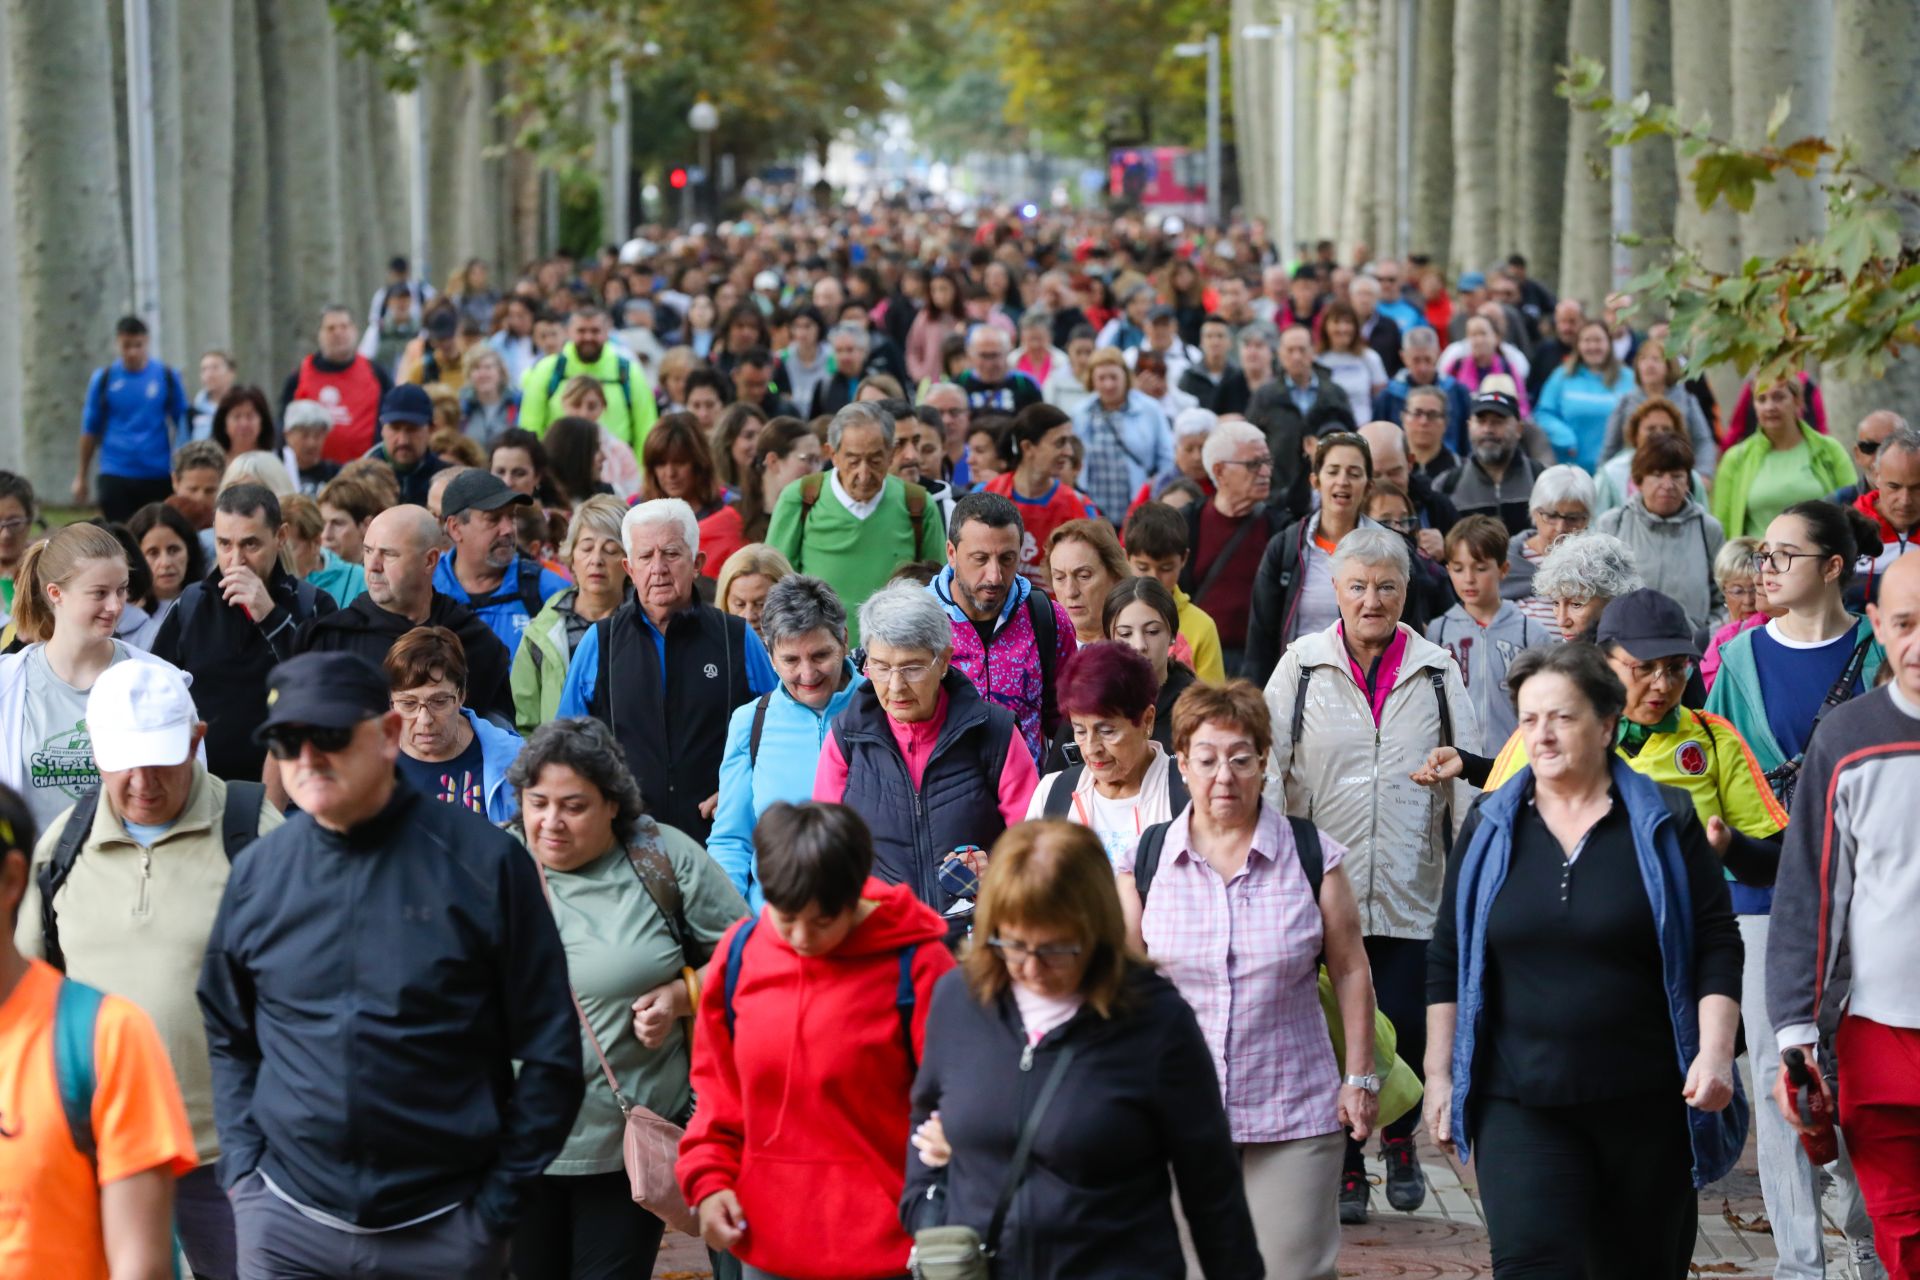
(1039, 741)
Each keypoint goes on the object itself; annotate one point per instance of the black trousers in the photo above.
(1589, 1192)
(121, 496)
(1400, 989)
(584, 1227)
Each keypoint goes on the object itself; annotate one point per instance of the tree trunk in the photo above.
(446, 106)
(170, 195)
(393, 225)
(1306, 115)
(1356, 206)
(1388, 198)
(1330, 132)
(207, 117)
(1655, 191)
(1781, 46)
(1586, 248)
(1703, 86)
(1876, 105)
(303, 192)
(1476, 146)
(69, 235)
(1433, 132)
(12, 451)
(1254, 115)
(1513, 87)
(1541, 144)
(263, 354)
(364, 192)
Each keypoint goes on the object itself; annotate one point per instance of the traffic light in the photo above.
(677, 179)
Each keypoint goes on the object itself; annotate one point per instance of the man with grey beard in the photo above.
(486, 571)
(1496, 478)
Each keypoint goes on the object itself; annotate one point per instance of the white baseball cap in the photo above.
(140, 716)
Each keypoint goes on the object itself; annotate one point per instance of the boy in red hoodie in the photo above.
(810, 1028)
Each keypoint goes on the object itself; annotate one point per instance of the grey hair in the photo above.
(302, 414)
(1037, 318)
(1374, 547)
(1583, 565)
(854, 331)
(1364, 282)
(587, 747)
(985, 331)
(1420, 339)
(601, 515)
(1902, 436)
(1432, 391)
(800, 605)
(905, 615)
(1225, 440)
(1563, 483)
(862, 414)
(661, 513)
(1265, 332)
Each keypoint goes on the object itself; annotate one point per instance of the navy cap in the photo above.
(477, 490)
(407, 404)
(1495, 402)
(1648, 625)
(324, 691)
(443, 324)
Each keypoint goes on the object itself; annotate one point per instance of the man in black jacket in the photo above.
(395, 1056)
(231, 629)
(1294, 409)
(400, 550)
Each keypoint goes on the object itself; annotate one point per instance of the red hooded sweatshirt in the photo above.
(804, 1113)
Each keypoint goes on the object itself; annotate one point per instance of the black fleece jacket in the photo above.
(363, 627)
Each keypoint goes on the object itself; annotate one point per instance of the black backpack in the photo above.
(239, 827)
(1306, 844)
(1060, 797)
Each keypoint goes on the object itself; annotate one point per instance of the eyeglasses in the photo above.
(1565, 519)
(1678, 670)
(1781, 561)
(439, 704)
(1400, 524)
(14, 525)
(1747, 592)
(285, 742)
(1055, 955)
(912, 672)
(1255, 465)
(1244, 765)
(1423, 413)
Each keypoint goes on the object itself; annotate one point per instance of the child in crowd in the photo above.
(1483, 632)
(1157, 543)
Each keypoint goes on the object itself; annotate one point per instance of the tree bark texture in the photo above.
(1655, 190)
(1388, 198)
(1781, 46)
(1540, 143)
(1357, 206)
(1477, 140)
(1433, 131)
(1703, 89)
(208, 122)
(1586, 250)
(1506, 212)
(1331, 133)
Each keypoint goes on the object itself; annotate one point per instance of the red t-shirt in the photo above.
(1040, 517)
(1230, 599)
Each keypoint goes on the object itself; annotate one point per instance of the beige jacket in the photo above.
(1351, 778)
(134, 922)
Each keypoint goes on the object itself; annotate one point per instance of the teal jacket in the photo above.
(339, 578)
(1736, 690)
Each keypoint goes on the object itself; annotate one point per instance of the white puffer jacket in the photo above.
(1351, 778)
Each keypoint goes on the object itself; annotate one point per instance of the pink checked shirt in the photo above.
(1242, 952)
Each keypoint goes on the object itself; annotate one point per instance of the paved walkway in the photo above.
(1447, 1239)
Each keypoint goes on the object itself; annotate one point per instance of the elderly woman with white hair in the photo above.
(931, 766)
(304, 427)
(1191, 430)
(664, 671)
(1356, 708)
(1564, 503)
(1580, 575)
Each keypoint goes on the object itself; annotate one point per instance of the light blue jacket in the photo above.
(1125, 449)
(499, 748)
(790, 744)
(1573, 411)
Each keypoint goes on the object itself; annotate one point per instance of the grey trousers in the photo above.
(278, 1242)
(1293, 1191)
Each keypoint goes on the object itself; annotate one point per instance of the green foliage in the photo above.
(1845, 301)
(581, 215)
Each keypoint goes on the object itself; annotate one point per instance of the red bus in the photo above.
(1163, 180)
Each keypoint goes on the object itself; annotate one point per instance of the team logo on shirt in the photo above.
(1690, 759)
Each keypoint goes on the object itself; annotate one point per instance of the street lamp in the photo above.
(703, 119)
(1210, 50)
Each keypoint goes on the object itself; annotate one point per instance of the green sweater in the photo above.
(855, 557)
(1830, 465)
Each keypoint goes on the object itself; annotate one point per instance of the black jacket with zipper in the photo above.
(363, 627)
(1139, 1101)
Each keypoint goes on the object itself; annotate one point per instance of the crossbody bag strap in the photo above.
(580, 1012)
(1225, 554)
(1017, 1168)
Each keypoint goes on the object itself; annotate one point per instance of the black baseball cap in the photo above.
(1495, 402)
(1649, 625)
(477, 490)
(323, 691)
(408, 404)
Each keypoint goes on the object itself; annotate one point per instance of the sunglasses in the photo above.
(286, 741)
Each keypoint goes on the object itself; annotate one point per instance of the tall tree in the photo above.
(303, 195)
(1703, 88)
(1476, 142)
(1357, 209)
(12, 446)
(1389, 199)
(68, 231)
(1513, 87)
(1540, 144)
(1781, 47)
(1433, 131)
(1306, 118)
(1586, 239)
(1655, 185)
(263, 353)
(207, 122)
(176, 345)
(1331, 131)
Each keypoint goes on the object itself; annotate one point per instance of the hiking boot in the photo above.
(1406, 1184)
(1354, 1195)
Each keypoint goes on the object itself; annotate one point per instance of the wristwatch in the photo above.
(1370, 1083)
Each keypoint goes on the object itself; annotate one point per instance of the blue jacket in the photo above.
(1125, 449)
(1486, 847)
(790, 743)
(499, 748)
(507, 610)
(1573, 410)
(1392, 402)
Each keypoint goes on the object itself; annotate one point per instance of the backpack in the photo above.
(239, 827)
(1437, 678)
(624, 377)
(1306, 845)
(76, 1018)
(810, 487)
(1060, 796)
(903, 997)
(526, 590)
(759, 727)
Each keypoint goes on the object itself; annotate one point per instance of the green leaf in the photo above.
(1730, 175)
(1777, 118)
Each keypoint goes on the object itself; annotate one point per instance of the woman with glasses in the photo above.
(1237, 904)
(1058, 1025)
(931, 766)
(1739, 585)
(1355, 709)
(1671, 537)
(1562, 504)
(17, 514)
(447, 752)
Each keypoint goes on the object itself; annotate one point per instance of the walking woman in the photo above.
(1579, 397)
(1589, 1132)
(173, 552)
(69, 593)
(1785, 462)
(595, 557)
(1085, 562)
(784, 452)
(679, 464)
(1140, 614)
(639, 907)
(810, 1032)
(1054, 1025)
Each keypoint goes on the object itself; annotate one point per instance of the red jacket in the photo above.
(805, 1115)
